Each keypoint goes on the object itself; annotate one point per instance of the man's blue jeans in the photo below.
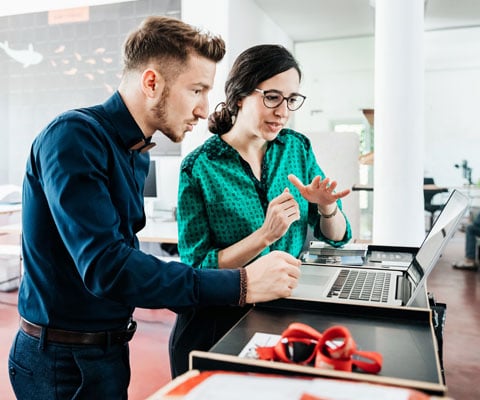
(55, 371)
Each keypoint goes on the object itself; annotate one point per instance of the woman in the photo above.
(242, 193)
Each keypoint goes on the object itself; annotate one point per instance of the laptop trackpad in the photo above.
(317, 273)
(314, 281)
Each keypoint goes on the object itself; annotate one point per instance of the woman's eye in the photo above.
(272, 97)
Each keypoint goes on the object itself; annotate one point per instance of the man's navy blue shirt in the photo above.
(82, 208)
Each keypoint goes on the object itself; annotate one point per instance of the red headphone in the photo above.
(334, 349)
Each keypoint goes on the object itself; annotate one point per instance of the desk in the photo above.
(10, 250)
(15, 229)
(7, 208)
(432, 188)
(159, 231)
(426, 188)
(402, 335)
(358, 187)
(429, 190)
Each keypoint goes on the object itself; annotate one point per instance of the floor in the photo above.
(460, 290)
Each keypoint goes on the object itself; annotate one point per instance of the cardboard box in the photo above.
(404, 336)
(228, 385)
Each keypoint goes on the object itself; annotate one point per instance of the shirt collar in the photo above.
(218, 148)
(282, 136)
(127, 129)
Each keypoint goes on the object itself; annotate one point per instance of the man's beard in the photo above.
(160, 113)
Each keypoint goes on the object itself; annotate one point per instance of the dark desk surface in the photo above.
(402, 335)
(434, 188)
(358, 187)
(426, 188)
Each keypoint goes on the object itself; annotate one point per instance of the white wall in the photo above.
(241, 25)
(452, 103)
(336, 154)
(248, 25)
(339, 81)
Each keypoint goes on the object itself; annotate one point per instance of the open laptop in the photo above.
(384, 287)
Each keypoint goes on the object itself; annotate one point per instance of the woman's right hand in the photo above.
(282, 211)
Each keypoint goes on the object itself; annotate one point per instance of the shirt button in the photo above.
(12, 371)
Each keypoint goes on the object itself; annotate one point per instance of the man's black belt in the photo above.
(79, 338)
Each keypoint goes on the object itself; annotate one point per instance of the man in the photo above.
(82, 208)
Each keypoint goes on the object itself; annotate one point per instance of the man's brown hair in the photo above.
(168, 41)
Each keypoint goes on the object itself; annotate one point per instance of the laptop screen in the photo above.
(436, 240)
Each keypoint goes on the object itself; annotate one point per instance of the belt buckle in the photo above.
(131, 329)
(123, 336)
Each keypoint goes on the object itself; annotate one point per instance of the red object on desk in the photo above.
(334, 349)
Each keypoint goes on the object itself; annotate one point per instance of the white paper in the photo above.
(259, 339)
(254, 387)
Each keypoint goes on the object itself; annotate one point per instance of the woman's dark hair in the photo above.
(253, 66)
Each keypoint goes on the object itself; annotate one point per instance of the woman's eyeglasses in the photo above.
(273, 99)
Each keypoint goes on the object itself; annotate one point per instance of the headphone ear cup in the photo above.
(297, 329)
(326, 362)
(334, 350)
(373, 363)
(337, 342)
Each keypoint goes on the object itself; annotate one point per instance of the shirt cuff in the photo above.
(219, 287)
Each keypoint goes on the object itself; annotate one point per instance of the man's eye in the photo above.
(197, 91)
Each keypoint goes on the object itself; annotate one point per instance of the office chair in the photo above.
(428, 195)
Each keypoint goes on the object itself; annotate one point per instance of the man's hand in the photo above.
(272, 276)
(282, 211)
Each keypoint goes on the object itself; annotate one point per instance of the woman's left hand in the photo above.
(319, 191)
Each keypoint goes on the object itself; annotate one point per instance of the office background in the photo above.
(81, 66)
(345, 69)
(57, 60)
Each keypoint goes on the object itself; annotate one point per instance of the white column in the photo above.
(201, 15)
(398, 216)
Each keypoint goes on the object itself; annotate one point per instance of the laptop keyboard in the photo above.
(361, 285)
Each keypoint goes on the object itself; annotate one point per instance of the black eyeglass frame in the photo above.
(293, 96)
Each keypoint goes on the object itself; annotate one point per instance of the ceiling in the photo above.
(309, 20)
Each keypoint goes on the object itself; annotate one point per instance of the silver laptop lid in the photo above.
(436, 240)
